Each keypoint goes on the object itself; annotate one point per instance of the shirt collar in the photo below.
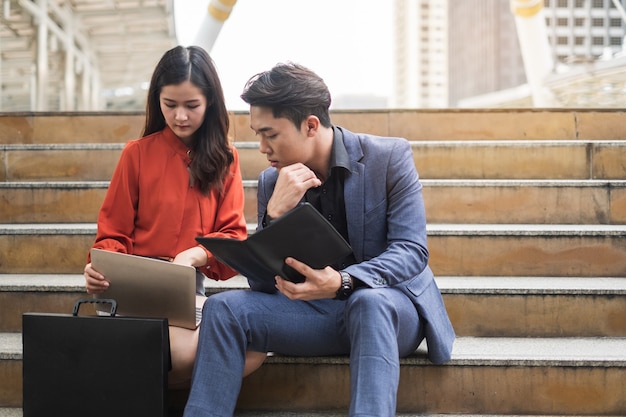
(339, 155)
(173, 140)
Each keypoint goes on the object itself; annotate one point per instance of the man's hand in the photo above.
(319, 283)
(293, 181)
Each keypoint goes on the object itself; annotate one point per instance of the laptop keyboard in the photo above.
(198, 314)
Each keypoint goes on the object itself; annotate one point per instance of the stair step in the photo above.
(525, 201)
(460, 159)
(518, 306)
(527, 250)
(53, 247)
(470, 124)
(446, 201)
(68, 127)
(455, 249)
(535, 306)
(38, 293)
(57, 293)
(53, 162)
(333, 414)
(485, 375)
(71, 201)
(414, 124)
(17, 412)
(51, 202)
(520, 159)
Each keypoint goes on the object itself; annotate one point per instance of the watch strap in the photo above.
(346, 288)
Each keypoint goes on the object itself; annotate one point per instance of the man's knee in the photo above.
(221, 303)
(372, 302)
(385, 314)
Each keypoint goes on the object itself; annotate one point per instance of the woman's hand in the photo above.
(94, 280)
(195, 256)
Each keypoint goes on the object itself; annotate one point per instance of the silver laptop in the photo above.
(147, 287)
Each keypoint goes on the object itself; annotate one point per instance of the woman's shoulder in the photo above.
(142, 142)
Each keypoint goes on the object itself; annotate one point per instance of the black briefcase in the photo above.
(94, 365)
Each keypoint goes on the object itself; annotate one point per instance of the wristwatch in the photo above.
(346, 288)
(266, 220)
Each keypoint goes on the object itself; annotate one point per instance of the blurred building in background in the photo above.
(449, 50)
(584, 30)
(467, 54)
(99, 55)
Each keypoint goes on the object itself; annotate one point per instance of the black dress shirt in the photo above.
(328, 198)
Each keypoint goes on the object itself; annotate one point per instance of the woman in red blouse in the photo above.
(180, 180)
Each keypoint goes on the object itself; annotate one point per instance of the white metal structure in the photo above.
(587, 67)
(80, 54)
(533, 38)
(585, 35)
(217, 13)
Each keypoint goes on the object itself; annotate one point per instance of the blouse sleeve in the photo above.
(116, 219)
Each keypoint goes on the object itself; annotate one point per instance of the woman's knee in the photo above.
(183, 346)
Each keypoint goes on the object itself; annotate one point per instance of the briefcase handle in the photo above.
(98, 301)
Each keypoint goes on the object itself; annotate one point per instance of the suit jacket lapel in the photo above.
(354, 195)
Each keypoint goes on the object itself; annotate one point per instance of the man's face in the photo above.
(282, 143)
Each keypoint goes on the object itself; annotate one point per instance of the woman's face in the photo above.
(183, 106)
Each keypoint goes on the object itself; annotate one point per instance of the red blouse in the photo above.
(151, 209)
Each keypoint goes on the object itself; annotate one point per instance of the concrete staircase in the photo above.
(526, 220)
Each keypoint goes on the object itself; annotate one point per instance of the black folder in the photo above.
(303, 234)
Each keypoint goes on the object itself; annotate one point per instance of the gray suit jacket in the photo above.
(387, 228)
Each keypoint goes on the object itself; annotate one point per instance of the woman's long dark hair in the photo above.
(212, 154)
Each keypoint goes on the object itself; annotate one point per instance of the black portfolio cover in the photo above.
(303, 234)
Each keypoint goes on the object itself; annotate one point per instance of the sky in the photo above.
(346, 42)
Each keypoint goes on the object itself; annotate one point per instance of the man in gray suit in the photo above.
(377, 304)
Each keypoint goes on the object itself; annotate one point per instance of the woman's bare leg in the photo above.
(183, 345)
(254, 360)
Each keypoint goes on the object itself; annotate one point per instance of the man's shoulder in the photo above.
(370, 138)
(372, 143)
